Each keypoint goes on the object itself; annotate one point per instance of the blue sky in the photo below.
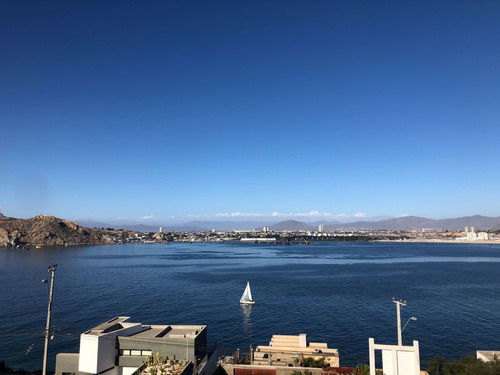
(173, 110)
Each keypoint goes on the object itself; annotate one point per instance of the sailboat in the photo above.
(246, 298)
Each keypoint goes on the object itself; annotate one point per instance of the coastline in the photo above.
(437, 240)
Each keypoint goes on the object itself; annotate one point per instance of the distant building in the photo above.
(290, 349)
(118, 347)
(471, 235)
(320, 228)
(160, 230)
(282, 357)
(265, 229)
(483, 236)
(488, 355)
(258, 240)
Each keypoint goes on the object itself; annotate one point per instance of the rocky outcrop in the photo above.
(48, 231)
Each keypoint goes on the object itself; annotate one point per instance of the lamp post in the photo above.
(51, 269)
(408, 321)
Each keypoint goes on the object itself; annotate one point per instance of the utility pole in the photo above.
(398, 304)
(51, 269)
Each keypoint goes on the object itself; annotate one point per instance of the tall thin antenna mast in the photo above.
(398, 304)
(51, 269)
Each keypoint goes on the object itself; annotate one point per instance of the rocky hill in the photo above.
(48, 231)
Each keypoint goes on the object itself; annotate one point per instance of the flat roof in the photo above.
(297, 344)
(145, 331)
(111, 325)
(184, 331)
(151, 332)
(297, 349)
(169, 331)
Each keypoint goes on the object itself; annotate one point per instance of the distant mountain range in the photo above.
(419, 223)
(394, 224)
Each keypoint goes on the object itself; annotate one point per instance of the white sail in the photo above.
(247, 295)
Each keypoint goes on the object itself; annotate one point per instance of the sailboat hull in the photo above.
(247, 302)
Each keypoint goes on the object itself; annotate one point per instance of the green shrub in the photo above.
(311, 362)
(466, 365)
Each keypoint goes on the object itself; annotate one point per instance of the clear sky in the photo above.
(240, 109)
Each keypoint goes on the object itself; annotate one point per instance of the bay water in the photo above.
(335, 292)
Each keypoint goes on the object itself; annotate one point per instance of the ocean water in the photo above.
(339, 293)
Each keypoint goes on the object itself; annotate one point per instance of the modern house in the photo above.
(118, 347)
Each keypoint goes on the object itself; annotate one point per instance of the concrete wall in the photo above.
(67, 362)
(179, 348)
(131, 361)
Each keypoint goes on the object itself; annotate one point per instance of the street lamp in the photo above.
(408, 321)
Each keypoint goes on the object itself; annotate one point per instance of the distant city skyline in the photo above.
(237, 110)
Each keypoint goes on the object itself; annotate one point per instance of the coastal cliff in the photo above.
(48, 231)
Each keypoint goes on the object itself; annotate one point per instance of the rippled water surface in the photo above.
(339, 293)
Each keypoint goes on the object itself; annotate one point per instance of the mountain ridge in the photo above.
(392, 224)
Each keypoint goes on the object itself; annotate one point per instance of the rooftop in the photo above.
(297, 344)
(488, 355)
(112, 325)
(140, 330)
(168, 331)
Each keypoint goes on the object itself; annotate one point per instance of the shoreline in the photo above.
(437, 240)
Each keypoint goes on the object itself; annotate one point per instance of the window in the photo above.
(135, 352)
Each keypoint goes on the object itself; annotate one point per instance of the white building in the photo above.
(118, 347)
(470, 234)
